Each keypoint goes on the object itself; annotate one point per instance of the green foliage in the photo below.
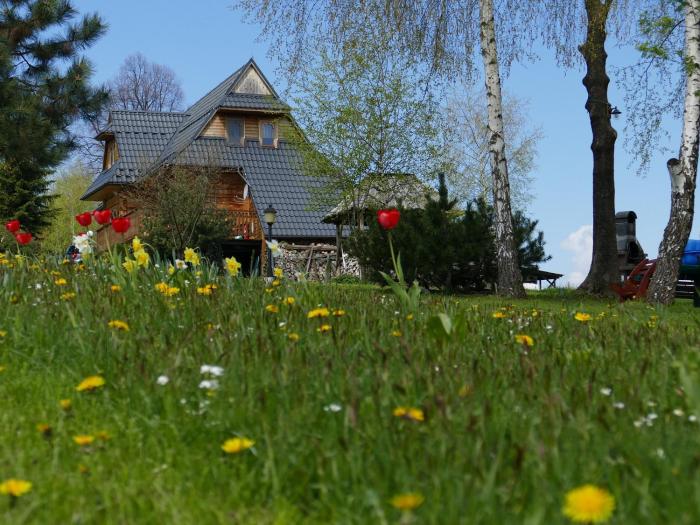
(68, 187)
(507, 431)
(44, 88)
(444, 248)
(179, 211)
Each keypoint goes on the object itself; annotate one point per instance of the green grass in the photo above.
(508, 430)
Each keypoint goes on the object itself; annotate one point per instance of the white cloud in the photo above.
(580, 243)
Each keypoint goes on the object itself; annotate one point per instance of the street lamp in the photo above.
(270, 218)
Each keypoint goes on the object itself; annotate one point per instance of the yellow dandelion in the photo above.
(205, 290)
(83, 440)
(324, 328)
(236, 445)
(90, 383)
(118, 325)
(580, 316)
(269, 290)
(83, 469)
(589, 504)
(408, 501)
(60, 282)
(44, 429)
(409, 317)
(191, 257)
(396, 333)
(2, 368)
(67, 296)
(171, 291)
(293, 337)
(115, 288)
(276, 282)
(103, 435)
(65, 404)
(524, 340)
(15, 487)
(161, 287)
(277, 272)
(271, 308)
(3, 333)
(289, 301)
(338, 312)
(318, 312)
(498, 315)
(411, 413)
(232, 266)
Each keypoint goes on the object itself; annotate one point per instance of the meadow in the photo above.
(146, 396)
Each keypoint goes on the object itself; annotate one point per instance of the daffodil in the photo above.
(180, 264)
(142, 258)
(278, 272)
(205, 290)
(232, 266)
(129, 265)
(136, 244)
(191, 257)
(15, 487)
(589, 504)
(90, 383)
(396, 333)
(274, 247)
(236, 445)
(408, 501)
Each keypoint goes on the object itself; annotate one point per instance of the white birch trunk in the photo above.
(682, 171)
(510, 281)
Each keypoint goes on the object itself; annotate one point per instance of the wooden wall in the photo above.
(217, 126)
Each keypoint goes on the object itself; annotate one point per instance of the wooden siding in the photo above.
(216, 128)
(111, 154)
(251, 128)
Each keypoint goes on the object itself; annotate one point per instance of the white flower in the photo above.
(163, 380)
(209, 384)
(274, 247)
(180, 264)
(90, 233)
(619, 405)
(652, 416)
(660, 453)
(37, 286)
(82, 243)
(692, 418)
(678, 412)
(333, 407)
(213, 370)
(606, 391)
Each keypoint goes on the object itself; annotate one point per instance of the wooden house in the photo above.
(241, 128)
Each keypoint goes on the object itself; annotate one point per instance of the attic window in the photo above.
(268, 134)
(235, 130)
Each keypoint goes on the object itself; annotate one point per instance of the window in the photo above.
(235, 130)
(268, 134)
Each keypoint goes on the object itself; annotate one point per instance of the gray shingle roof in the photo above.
(146, 140)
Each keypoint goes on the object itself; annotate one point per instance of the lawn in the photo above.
(489, 430)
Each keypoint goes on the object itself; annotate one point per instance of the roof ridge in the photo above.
(149, 112)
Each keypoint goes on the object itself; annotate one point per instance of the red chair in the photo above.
(636, 284)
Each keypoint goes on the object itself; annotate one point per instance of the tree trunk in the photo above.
(604, 269)
(683, 171)
(510, 280)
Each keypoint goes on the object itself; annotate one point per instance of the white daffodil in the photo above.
(180, 264)
(274, 247)
(162, 380)
(213, 370)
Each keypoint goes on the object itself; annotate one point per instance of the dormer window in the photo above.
(269, 134)
(235, 130)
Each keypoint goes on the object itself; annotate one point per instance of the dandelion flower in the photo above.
(236, 445)
(83, 440)
(65, 404)
(498, 315)
(580, 316)
(589, 504)
(338, 312)
(191, 257)
(205, 290)
(278, 272)
(90, 383)
(232, 266)
(103, 435)
(115, 288)
(411, 413)
(318, 312)
(396, 333)
(118, 325)
(60, 282)
(67, 296)
(408, 501)
(44, 429)
(15, 487)
(524, 340)
(324, 328)
(293, 337)
(289, 301)
(272, 308)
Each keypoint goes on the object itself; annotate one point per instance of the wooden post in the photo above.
(338, 248)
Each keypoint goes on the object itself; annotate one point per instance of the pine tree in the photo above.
(44, 88)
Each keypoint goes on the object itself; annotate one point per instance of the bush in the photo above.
(444, 248)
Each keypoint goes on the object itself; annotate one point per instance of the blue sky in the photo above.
(206, 40)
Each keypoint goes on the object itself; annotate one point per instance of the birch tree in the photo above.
(682, 170)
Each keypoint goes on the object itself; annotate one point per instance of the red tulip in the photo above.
(388, 219)
(12, 226)
(121, 224)
(102, 216)
(23, 238)
(84, 219)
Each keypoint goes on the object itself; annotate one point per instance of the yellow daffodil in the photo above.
(589, 504)
(90, 383)
(414, 414)
(161, 287)
(15, 487)
(408, 501)
(142, 258)
(83, 440)
(580, 316)
(191, 257)
(278, 272)
(524, 340)
(318, 312)
(171, 269)
(136, 244)
(118, 325)
(272, 308)
(236, 445)
(129, 265)
(232, 266)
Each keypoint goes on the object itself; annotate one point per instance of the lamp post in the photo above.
(270, 218)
